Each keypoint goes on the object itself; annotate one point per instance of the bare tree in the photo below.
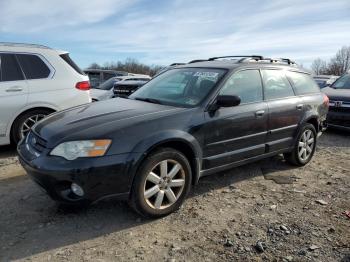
(342, 59)
(130, 65)
(319, 66)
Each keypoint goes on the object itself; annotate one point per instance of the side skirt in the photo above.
(214, 170)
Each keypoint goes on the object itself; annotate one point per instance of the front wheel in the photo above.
(304, 147)
(162, 183)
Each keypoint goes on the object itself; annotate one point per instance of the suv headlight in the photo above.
(86, 148)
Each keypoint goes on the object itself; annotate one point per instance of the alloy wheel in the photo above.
(29, 123)
(306, 145)
(164, 184)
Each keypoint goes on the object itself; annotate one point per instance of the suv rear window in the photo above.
(33, 66)
(70, 62)
(303, 83)
(10, 70)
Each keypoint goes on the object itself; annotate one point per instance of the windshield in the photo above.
(184, 87)
(342, 83)
(108, 85)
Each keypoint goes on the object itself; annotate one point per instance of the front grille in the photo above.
(36, 142)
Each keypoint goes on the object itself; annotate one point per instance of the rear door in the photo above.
(13, 90)
(285, 109)
(237, 133)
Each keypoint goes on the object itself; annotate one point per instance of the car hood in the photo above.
(98, 120)
(337, 94)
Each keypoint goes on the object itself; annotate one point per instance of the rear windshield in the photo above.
(70, 62)
(107, 85)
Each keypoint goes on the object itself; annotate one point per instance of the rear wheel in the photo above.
(162, 183)
(25, 122)
(304, 147)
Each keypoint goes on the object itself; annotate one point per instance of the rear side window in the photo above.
(33, 66)
(10, 69)
(107, 76)
(245, 84)
(276, 84)
(71, 63)
(303, 83)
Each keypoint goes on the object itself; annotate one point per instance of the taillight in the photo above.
(325, 100)
(84, 85)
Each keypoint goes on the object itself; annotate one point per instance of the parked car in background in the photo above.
(105, 90)
(325, 80)
(339, 102)
(191, 121)
(36, 81)
(126, 88)
(98, 76)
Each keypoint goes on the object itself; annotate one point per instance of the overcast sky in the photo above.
(165, 31)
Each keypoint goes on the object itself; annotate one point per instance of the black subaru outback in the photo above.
(190, 121)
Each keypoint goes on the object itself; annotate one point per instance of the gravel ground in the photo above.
(266, 211)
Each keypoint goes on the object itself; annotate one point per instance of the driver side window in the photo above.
(245, 84)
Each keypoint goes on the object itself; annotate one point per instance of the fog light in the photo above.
(77, 189)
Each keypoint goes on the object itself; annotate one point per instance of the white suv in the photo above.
(36, 81)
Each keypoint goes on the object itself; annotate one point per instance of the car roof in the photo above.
(30, 48)
(133, 82)
(93, 70)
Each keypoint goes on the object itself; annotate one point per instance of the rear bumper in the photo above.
(101, 177)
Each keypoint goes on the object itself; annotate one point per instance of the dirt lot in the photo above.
(263, 211)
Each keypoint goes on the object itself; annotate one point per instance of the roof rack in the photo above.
(23, 45)
(255, 57)
(197, 61)
(176, 64)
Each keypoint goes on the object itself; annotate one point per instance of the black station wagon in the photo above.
(190, 121)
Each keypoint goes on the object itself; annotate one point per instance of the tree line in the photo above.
(130, 65)
(337, 65)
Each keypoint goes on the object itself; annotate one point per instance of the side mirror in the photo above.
(227, 101)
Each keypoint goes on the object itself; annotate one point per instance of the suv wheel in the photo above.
(305, 146)
(25, 122)
(162, 183)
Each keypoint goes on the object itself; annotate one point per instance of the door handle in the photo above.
(14, 89)
(300, 106)
(259, 113)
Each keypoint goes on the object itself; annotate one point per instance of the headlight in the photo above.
(87, 148)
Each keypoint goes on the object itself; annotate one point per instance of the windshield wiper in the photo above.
(150, 100)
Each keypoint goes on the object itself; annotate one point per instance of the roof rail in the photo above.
(23, 45)
(176, 64)
(255, 57)
(197, 61)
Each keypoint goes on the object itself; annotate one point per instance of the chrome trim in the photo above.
(237, 138)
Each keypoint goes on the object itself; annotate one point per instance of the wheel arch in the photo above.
(186, 144)
(10, 129)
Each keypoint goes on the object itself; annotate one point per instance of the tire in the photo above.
(16, 130)
(296, 157)
(179, 184)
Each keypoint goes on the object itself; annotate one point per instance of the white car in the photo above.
(36, 81)
(105, 90)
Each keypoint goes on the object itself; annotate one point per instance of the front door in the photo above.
(237, 133)
(13, 91)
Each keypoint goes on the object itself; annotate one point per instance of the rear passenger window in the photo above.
(276, 84)
(33, 66)
(303, 83)
(10, 70)
(245, 84)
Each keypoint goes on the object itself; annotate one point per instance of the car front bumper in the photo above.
(100, 177)
(339, 118)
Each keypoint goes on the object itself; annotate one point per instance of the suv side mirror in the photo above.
(227, 101)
